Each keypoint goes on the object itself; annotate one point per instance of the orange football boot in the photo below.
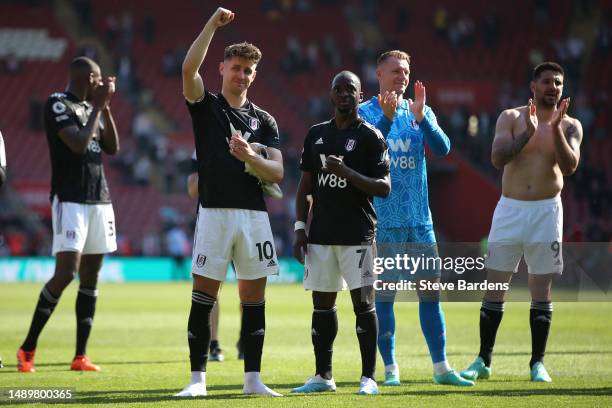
(25, 361)
(83, 363)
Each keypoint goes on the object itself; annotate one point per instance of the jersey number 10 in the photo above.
(265, 249)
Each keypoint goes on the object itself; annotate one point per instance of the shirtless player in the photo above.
(536, 145)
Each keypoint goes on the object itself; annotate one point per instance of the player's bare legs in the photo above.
(491, 313)
(497, 277)
(66, 266)
(252, 290)
(540, 287)
(206, 285)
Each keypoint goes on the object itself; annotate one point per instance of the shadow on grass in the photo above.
(529, 391)
(13, 367)
(522, 353)
(103, 363)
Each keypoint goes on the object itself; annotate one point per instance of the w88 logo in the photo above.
(404, 162)
(331, 180)
(328, 179)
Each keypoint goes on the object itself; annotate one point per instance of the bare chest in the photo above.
(541, 143)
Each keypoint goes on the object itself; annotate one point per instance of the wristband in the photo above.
(299, 225)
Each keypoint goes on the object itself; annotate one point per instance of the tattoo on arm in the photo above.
(573, 137)
(518, 143)
(511, 150)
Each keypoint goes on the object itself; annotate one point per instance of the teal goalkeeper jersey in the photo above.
(408, 204)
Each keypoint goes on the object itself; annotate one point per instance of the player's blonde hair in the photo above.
(243, 50)
(401, 55)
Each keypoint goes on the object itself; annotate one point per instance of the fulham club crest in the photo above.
(350, 145)
(253, 123)
(201, 260)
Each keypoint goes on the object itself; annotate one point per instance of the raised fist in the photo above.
(221, 17)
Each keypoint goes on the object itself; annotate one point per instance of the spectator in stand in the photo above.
(151, 244)
(124, 247)
(541, 10)
(303, 6)
(169, 64)
(292, 62)
(144, 129)
(83, 9)
(149, 28)
(111, 30)
(178, 247)
(603, 38)
(402, 19)
(11, 65)
(331, 53)
(36, 113)
(312, 56)
(270, 10)
(440, 22)
(142, 171)
(490, 29)
(89, 51)
(2, 161)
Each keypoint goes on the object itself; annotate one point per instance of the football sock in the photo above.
(386, 332)
(324, 331)
(252, 334)
(45, 306)
(433, 327)
(491, 314)
(540, 317)
(85, 310)
(366, 326)
(198, 377)
(198, 329)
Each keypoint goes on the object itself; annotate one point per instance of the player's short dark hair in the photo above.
(547, 66)
(243, 50)
(83, 64)
(347, 74)
(401, 55)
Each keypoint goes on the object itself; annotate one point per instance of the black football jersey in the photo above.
(223, 182)
(343, 214)
(75, 178)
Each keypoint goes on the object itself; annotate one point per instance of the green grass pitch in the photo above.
(139, 339)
